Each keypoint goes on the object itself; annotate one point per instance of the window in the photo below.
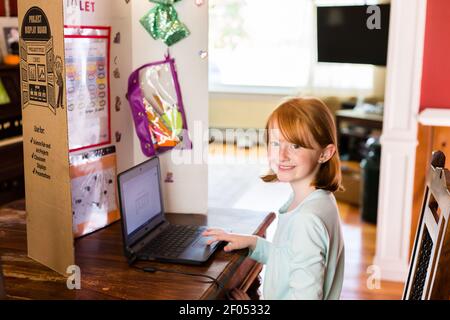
(272, 45)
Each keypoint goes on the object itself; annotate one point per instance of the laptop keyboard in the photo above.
(173, 241)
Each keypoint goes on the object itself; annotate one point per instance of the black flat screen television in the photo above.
(343, 35)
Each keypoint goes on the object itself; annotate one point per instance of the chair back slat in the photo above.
(429, 272)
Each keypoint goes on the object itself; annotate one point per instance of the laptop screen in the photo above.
(140, 197)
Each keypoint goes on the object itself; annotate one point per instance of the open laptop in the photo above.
(147, 234)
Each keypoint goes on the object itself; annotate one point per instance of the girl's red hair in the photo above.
(309, 123)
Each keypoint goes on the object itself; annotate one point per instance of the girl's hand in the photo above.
(235, 241)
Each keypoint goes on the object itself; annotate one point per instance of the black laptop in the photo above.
(147, 234)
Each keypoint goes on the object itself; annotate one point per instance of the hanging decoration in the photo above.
(203, 54)
(162, 22)
(157, 107)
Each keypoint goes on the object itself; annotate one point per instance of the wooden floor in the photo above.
(359, 238)
(233, 178)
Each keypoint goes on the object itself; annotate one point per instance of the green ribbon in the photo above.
(162, 22)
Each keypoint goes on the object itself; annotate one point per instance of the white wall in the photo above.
(189, 192)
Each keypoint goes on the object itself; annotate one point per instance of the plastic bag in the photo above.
(93, 183)
(157, 107)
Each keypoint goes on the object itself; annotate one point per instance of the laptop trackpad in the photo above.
(199, 250)
(201, 242)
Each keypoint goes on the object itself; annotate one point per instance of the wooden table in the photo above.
(364, 119)
(105, 273)
(358, 118)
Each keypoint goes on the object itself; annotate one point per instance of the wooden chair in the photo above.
(429, 271)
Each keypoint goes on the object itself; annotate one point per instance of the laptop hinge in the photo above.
(135, 248)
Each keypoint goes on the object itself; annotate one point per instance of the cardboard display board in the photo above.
(45, 134)
(109, 36)
(65, 80)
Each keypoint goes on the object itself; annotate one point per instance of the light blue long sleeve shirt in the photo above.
(306, 258)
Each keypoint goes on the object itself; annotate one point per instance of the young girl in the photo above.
(306, 258)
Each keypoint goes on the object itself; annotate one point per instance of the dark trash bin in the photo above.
(370, 176)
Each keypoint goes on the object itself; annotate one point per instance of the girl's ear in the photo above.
(327, 153)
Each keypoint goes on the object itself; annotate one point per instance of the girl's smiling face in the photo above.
(301, 142)
(291, 162)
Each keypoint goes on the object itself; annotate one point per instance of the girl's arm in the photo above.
(259, 247)
(308, 251)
